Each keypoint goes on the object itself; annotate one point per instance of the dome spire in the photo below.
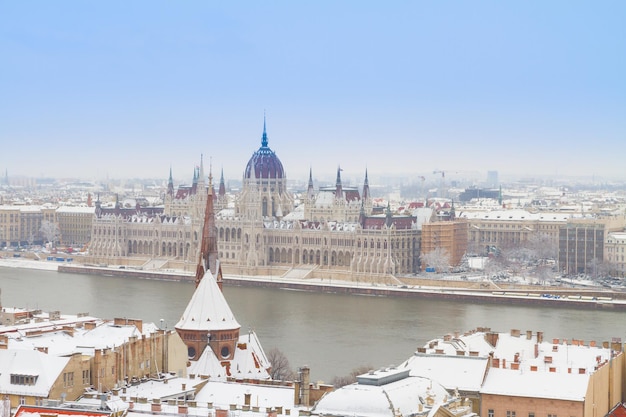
(264, 138)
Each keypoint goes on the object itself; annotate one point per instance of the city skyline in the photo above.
(121, 90)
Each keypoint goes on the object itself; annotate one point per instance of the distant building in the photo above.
(508, 228)
(582, 240)
(21, 224)
(478, 193)
(615, 253)
(492, 179)
(449, 236)
(75, 225)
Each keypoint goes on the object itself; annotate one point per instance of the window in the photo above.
(490, 413)
(17, 379)
(531, 414)
(510, 413)
(68, 379)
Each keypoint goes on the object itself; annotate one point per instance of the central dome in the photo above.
(264, 163)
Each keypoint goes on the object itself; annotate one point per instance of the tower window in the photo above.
(225, 352)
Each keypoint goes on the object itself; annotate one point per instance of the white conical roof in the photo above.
(207, 309)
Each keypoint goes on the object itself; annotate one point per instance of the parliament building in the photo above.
(330, 231)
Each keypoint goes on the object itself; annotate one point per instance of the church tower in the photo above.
(208, 321)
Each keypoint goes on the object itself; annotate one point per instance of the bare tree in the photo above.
(439, 259)
(281, 370)
(340, 381)
(50, 231)
(543, 246)
(598, 268)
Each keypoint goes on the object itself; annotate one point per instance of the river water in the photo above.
(330, 333)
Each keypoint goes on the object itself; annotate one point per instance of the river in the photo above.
(331, 333)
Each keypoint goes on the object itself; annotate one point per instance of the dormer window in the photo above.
(17, 379)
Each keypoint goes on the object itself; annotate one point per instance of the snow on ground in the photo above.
(28, 263)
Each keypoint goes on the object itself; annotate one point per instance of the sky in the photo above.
(119, 89)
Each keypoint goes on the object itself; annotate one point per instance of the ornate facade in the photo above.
(171, 231)
(333, 229)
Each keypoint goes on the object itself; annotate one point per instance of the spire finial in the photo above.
(264, 138)
(211, 175)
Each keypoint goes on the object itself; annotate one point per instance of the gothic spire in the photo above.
(388, 215)
(338, 186)
(310, 192)
(208, 250)
(170, 184)
(264, 138)
(222, 190)
(201, 173)
(366, 188)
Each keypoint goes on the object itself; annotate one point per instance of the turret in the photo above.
(338, 186)
(310, 192)
(170, 185)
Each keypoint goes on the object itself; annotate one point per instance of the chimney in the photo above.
(492, 338)
(305, 385)
(529, 334)
(515, 332)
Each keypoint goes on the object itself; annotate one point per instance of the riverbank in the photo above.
(560, 297)
(522, 295)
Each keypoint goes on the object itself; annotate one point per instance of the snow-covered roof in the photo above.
(453, 372)
(163, 389)
(69, 334)
(222, 394)
(407, 396)
(76, 209)
(514, 215)
(515, 363)
(40, 369)
(208, 309)
(550, 385)
(35, 411)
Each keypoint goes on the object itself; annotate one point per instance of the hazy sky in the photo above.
(131, 88)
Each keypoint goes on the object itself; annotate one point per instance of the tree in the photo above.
(598, 268)
(439, 258)
(281, 370)
(340, 381)
(50, 231)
